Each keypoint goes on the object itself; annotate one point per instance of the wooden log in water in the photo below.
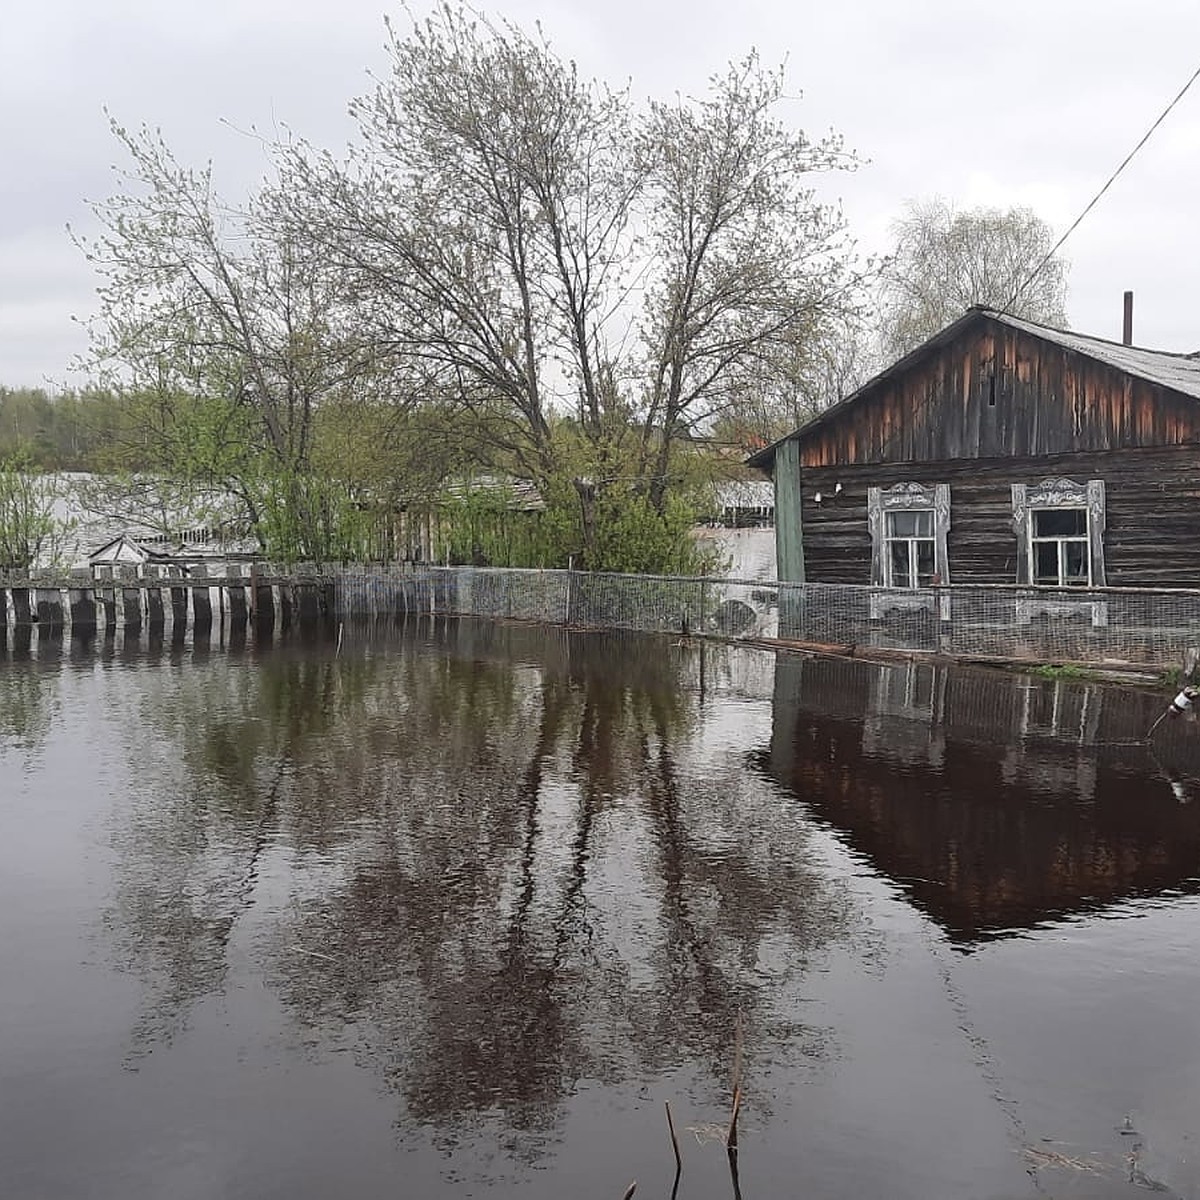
(82, 610)
(235, 596)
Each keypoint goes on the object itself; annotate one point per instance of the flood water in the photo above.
(454, 910)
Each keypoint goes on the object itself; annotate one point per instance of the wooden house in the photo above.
(999, 452)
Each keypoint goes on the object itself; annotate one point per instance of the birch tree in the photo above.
(945, 261)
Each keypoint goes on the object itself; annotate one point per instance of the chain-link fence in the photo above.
(1147, 628)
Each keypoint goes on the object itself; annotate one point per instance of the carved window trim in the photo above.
(1057, 492)
(908, 496)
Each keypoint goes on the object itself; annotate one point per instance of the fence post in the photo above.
(570, 589)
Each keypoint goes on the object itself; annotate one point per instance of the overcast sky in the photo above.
(1022, 102)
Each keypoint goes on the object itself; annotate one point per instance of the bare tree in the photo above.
(593, 281)
(751, 273)
(225, 331)
(482, 225)
(946, 261)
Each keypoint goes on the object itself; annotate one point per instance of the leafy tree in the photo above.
(946, 261)
(563, 285)
(60, 432)
(543, 247)
(225, 333)
(30, 532)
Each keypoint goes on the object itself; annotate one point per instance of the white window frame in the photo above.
(908, 497)
(912, 542)
(1059, 493)
(1060, 541)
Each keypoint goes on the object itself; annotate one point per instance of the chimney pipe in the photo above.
(1127, 330)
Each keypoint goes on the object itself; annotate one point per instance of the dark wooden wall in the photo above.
(998, 392)
(1152, 538)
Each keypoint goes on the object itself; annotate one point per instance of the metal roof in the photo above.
(1179, 372)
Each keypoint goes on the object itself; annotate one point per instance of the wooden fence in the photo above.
(203, 597)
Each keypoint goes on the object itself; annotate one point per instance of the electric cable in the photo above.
(1108, 183)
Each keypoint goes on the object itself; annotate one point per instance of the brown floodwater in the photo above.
(455, 909)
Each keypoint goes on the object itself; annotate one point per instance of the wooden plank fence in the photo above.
(234, 596)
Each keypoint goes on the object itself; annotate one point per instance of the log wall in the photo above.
(1151, 539)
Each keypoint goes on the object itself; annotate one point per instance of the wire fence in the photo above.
(1145, 628)
(1156, 629)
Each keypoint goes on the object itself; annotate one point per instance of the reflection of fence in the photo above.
(1127, 626)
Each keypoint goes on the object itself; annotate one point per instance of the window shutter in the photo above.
(1021, 529)
(1096, 520)
(875, 527)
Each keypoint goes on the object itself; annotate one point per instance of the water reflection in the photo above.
(996, 801)
(497, 862)
(29, 694)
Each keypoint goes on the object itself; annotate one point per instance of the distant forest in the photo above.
(66, 431)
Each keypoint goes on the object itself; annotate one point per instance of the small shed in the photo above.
(999, 452)
(125, 550)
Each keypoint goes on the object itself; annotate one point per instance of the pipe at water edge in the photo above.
(1181, 704)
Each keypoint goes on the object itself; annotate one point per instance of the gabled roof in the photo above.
(110, 552)
(1179, 372)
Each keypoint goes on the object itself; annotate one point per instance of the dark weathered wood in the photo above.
(22, 609)
(83, 610)
(309, 601)
(179, 605)
(996, 391)
(1151, 539)
(49, 607)
(154, 606)
(202, 615)
(132, 606)
(235, 598)
(264, 607)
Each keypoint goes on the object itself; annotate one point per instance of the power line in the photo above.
(1092, 203)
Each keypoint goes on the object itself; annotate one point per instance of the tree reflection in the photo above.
(512, 866)
(28, 697)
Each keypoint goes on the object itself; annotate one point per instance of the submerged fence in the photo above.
(1144, 628)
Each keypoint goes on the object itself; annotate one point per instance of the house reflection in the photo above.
(996, 802)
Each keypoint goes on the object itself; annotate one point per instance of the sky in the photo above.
(981, 104)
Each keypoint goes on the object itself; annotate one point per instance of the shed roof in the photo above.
(125, 547)
(1169, 369)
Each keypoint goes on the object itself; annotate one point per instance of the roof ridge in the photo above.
(1011, 318)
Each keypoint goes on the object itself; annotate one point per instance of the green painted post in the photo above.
(789, 538)
(789, 534)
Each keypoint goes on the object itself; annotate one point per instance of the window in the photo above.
(1059, 547)
(910, 558)
(1060, 533)
(909, 524)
